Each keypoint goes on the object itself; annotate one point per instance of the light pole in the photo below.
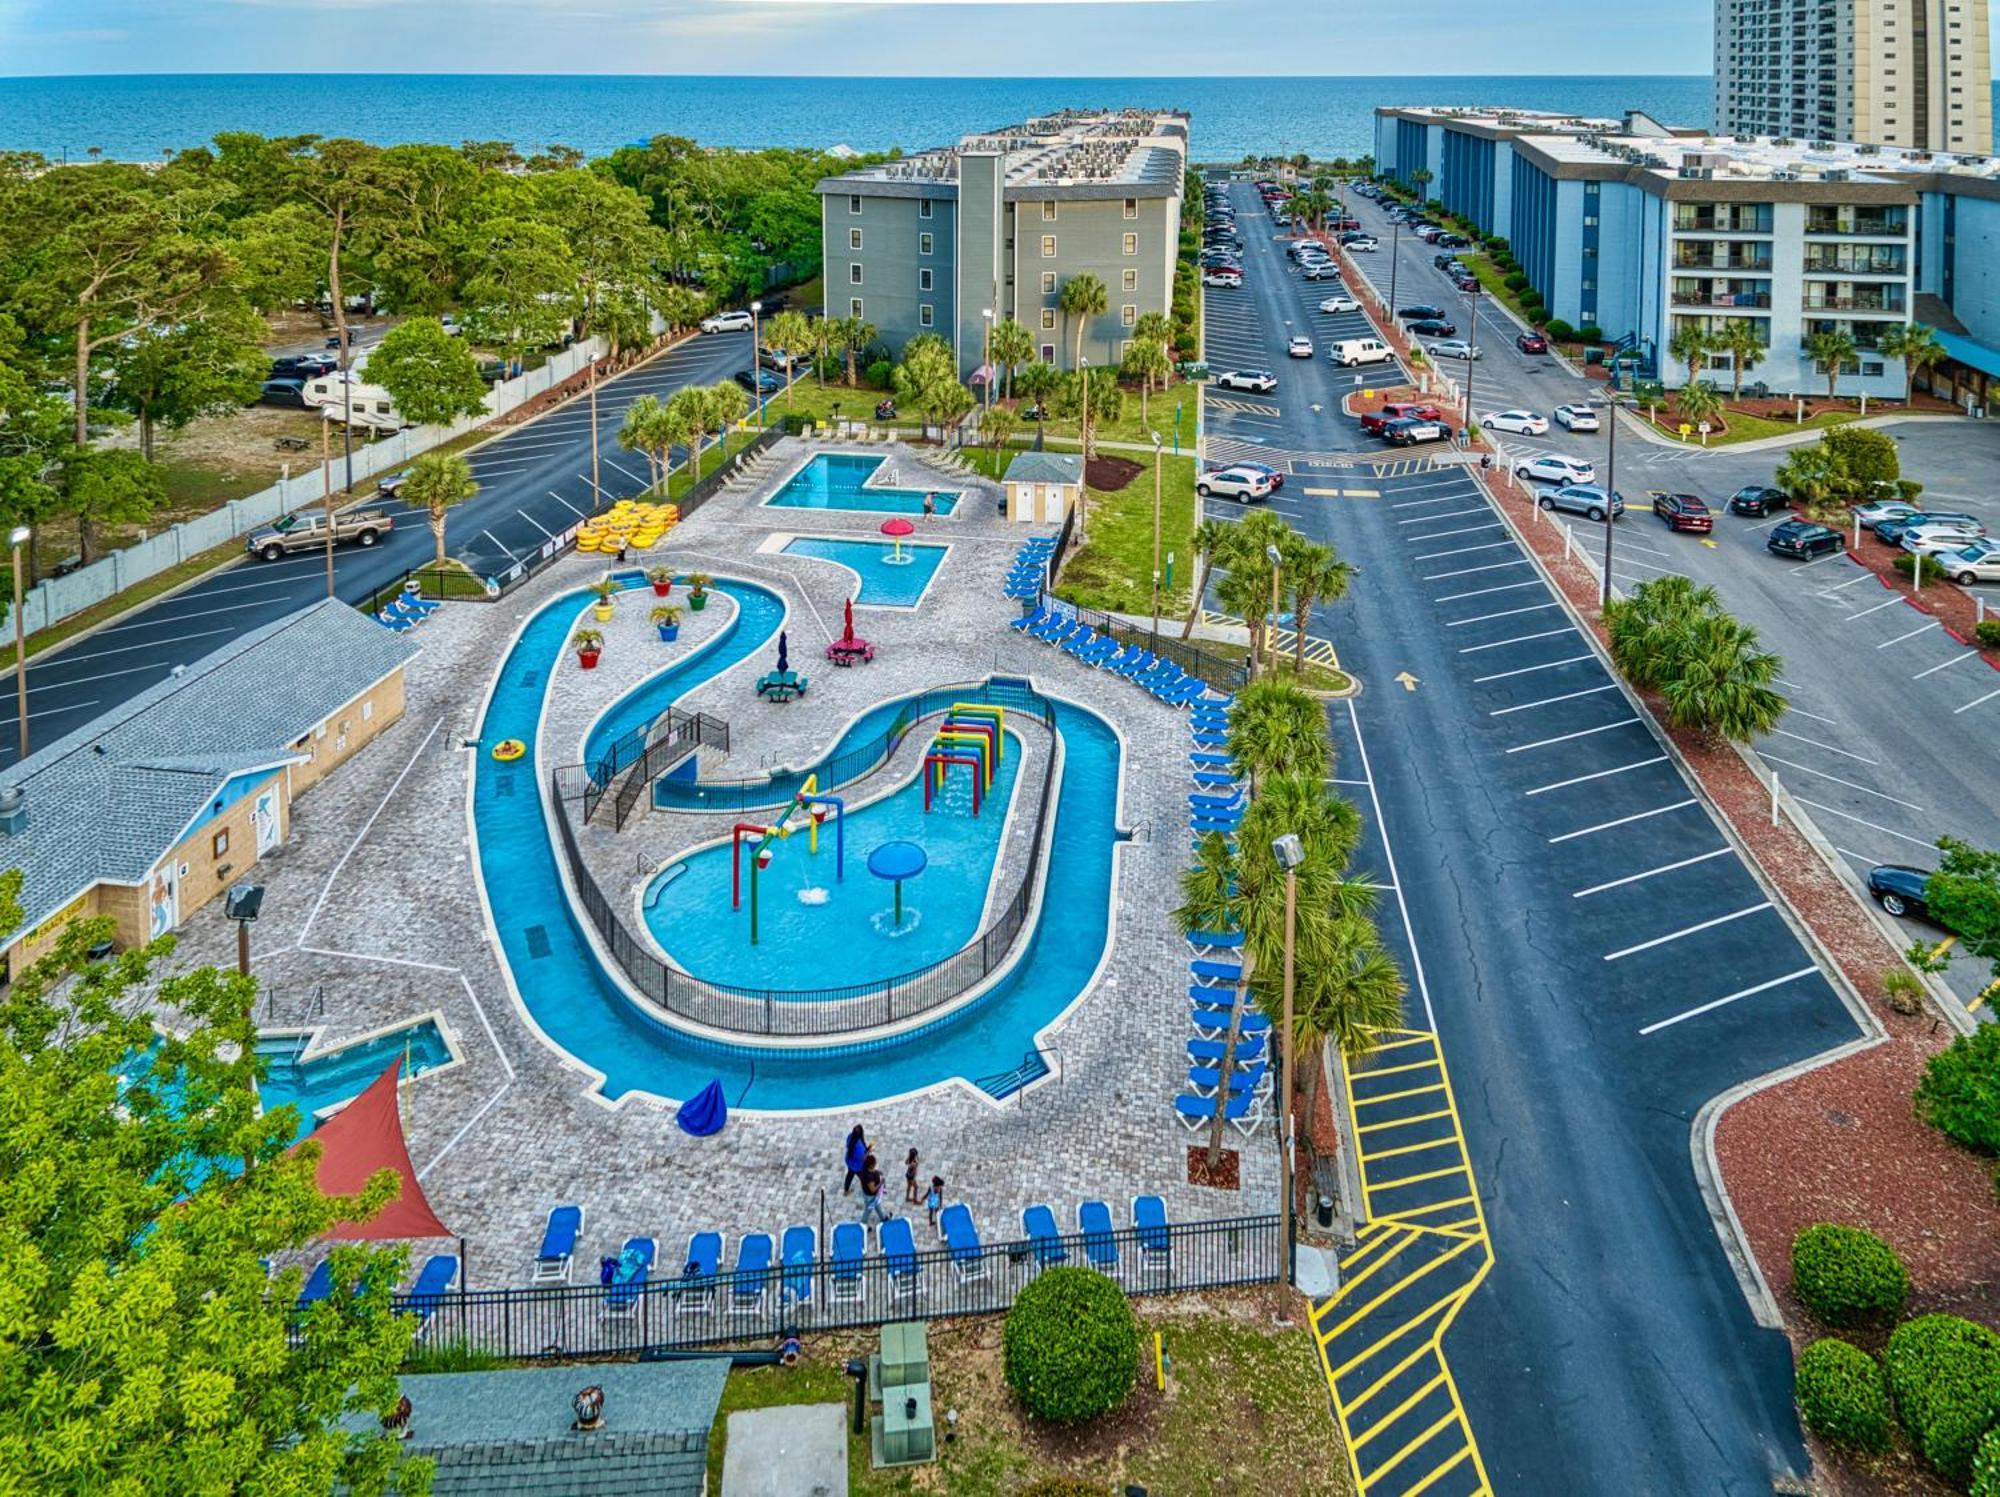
(241, 905)
(986, 357)
(1471, 359)
(756, 363)
(1395, 264)
(1611, 495)
(347, 399)
(596, 492)
(1158, 463)
(326, 495)
(1290, 853)
(16, 540)
(1277, 560)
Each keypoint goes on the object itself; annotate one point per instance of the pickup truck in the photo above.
(307, 532)
(1396, 410)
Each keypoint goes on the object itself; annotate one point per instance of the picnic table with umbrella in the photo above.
(784, 683)
(896, 529)
(850, 647)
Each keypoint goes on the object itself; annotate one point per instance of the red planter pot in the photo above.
(588, 659)
(661, 589)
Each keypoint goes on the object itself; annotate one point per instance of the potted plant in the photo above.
(668, 618)
(697, 586)
(604, 587)
(589, 645)
(662, 579)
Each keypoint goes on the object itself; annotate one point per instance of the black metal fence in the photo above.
(1226, 672)
(673, 1308)
(813, 1011)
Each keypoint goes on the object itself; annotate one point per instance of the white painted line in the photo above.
(1889, 603)
(1623, 722)
(1746, 911)
(326, 889)
(158, 667)
(1829, 748)
(1920, 629)
(1505, 613)
(152, 643)
(1462, 551)
(496, 541)
(1419, 503)
(1830, 556)
(1795, 708)
(1762, 987)
(1478, 509)
(1634, 878)
(1860, 821)
(1529, 670)
(1605, 826)
(579, 513)
(1967, 655)
(1599, 775)
(1395, 879)
(1495, 566)
(9, 717)
(1626, 561)
(1480, 592)
(1438, 535)
(1975, 702)
(536, 523)
(1519, 639)
(1774, 520)
(1865, 862)
(1827, 592)
(1808, 769)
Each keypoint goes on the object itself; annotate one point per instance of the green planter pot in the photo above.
(697, 601)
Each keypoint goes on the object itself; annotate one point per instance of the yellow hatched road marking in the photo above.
(1400, 1456)
(1432, 1480)
(1429, 1268)
(1400, 1409)
(1422, 1117)
(1456, 1169)
(1415, 1039)
(1415, 1065)
(1450, 1140)
(1416, 1091)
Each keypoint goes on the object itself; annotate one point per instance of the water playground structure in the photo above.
(972, 736)
(817, 808)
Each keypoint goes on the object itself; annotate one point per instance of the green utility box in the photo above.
(900, 1378)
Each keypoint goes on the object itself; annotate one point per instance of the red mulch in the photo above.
(1227, 1174)
(1110, 474)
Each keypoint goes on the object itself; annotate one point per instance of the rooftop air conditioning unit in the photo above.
(1836, 174)
(1867, 150)
(1784, 176)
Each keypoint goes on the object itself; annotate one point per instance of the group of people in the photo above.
(863, 1166)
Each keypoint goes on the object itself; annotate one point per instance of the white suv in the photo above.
(726, 322)
(1577, 417)
(1300, 348)
(1240, 484)
(1262, 381)
(1550, 468)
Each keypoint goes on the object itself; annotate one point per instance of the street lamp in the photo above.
(1471, 355)
(242, 905)
(1610, 409)
(986, 356)
(1290, 853)
(756, 366)
(1395, 263)
(1158, 462)
(16, 540)
(1277, 561)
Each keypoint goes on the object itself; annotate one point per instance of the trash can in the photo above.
(1593, 356)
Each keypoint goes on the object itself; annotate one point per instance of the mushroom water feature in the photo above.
(896, 529)
(896, 861)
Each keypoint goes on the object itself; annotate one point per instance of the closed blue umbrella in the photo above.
(782, 663)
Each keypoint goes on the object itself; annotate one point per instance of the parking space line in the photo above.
(1691, 930)
(1968, 655)
(1975, 702)
(1623, 722)
(1792, 706)
(1626, 561)
(1920, 629)
(1596, 775)
(1827, 592)
(1891, 603)
(1829, 748)
(1480, 592)
(1865, 790)
(1588, 691)
(1505, 613)
(1495, 566)
(536, 523)
(1459, 551)
(1830, 556)
(1529, 670)
(1457, 514)
(1634, 878)
(1519, 639)
(1711, 1005)
(1605, 826)
(496, 541)
(580, 514)
(1419, 503)
(1862, 821)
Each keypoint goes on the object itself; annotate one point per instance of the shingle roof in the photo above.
(104, 801)
(1045, 467)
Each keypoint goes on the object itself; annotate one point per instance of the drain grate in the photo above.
(531, 678)
(538, 941)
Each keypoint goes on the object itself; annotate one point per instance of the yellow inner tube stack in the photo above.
(634, 524)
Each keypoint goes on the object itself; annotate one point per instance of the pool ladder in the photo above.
(1016, 1079)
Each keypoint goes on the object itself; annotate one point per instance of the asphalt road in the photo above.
(1595, 955)
(534, 482)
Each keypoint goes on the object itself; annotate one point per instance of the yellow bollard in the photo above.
(1159, 1363)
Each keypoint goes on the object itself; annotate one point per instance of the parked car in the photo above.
(1429, 327)
(1882, 510)
(727, 322)
(1227, 279)
(1444, 262)
(1241, 484)
(1453, 241)
(1420, 312)
(1262, 381)
(390, 487)
(1349, 352)
(1577, 418)
(1522, 423)
(1322, 270)
(306, 531)
(1978, 562)
(1553, 467)
(1359, 244)
(1409, 431)
(1585, 499)
(1683, 512)
(777, 359)
(1276, 475)
(285, 392)
(1802, 539)
(1340, 304)
(303, 366)
(1531, 343)
(1891, 532)
(759, 382)
(1757, 499)
(1455, 348)
(1927, 540)
(1372, 422)
(1901, 889)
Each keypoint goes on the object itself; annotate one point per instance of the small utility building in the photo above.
(159, 805)
(1043, 486)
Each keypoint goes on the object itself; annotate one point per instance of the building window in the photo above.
(854, 307)
(923, 244)
(1048, 319)
(1131, 207)
(222, 843)
(854, 273)
(1124, 349)
(1131, 244)
(1048, 210)
(854, 239)
(923, 314)
(854, 202)
(1048, 353)
(1131, 280)
(1128, 314)
(1048, 246)
(924, 279)
(923, 208)
(1048, 283)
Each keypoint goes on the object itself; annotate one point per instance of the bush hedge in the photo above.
(1944, 1374)
(1590, 332)
(1986, 1465)
(1908, 563)
(1989, 633)
(1560, 330)
(1515, 281)
(1070, 1349)
(1960, 1091)
(1846, 1276)
(1841, 1394)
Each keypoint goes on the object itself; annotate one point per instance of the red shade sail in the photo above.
(365, 1136)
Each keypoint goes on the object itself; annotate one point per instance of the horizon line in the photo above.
(842, 75)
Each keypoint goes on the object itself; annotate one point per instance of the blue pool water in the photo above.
(581, 1009)
(817, 930)
(343, 1074)
(836, 480)
(886, 581)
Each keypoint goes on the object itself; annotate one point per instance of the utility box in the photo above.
(905, 1358)
(903, 1434)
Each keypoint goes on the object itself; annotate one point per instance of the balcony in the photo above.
(1849, 259)
(1888, 299)
(1693, 256)
(1723, 218)
(1685, 296)
(1851, 223)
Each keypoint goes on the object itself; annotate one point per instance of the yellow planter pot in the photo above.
(602, 611)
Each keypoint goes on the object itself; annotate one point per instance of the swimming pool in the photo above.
(580, 1008)
(341, 1074)
(856, 480)
(816, 930)
(888, 576)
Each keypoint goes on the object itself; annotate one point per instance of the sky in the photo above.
(1006, 38)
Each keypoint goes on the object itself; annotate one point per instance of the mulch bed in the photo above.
(1227, 1174)
(1110, 474)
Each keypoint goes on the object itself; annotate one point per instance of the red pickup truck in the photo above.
(1396, 410)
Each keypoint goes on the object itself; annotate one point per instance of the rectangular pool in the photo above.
(884, 580)
(841, 480)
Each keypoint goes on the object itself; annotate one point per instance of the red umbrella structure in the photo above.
(847, 634)
(896, 529)
(850, 647)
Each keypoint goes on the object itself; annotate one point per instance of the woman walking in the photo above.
(857, 1155)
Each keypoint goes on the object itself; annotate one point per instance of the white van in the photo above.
(1351, 351)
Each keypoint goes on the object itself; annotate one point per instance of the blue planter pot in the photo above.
(668, 633)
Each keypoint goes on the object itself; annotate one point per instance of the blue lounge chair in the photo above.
(1216, 780)
(961, 1236)
(899, 1258)
(694, 1290)
(394, 621)
(1105, 649)
(622, 1296)
(1216, 940)
(801, 1249)
(434, 1280)
(1214, 1022)
(1149, 1226)
(751, 1279)
(1029, 620)
(849, 1245)
(1230, 972)
(558, 1248)
(1039, 1223)
(1208, 758)
(1146, 661)
(1205, 1081)
(1100, 1241)
(1215, 821)
(1084, 639)
(1245, 1112)
(1249, 1047)
(1204, 712)
(319, 1284)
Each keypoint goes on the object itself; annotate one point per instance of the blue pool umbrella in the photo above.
(897, 861)
(703, 1114)
(782, 662)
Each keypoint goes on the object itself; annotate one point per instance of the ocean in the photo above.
(137, 118)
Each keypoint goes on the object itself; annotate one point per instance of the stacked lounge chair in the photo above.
(407, 609)
(1030, 573)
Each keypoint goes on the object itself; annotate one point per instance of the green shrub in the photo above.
(1590, 332)
(1944, 1374)
(1988, 633)
(1063, 1486)
(1959, 1094)
(1846, 1276)
(1070, 1348)
(880, 373)
(1516, 281)
(1986, 1466)
(1841, 1394)
(1560, 330)
(1907, 563)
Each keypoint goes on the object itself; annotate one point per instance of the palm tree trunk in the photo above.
(1301, 613)
(1228, 1068)
(437, 532)
(1194, 603)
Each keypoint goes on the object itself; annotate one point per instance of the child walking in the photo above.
(910, 1196)
(934, 1199)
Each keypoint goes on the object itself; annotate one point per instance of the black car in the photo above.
(1900, 889)
(1431, 327)
(759, 381)
(1443, 262)
(1802, 538)
(1419, 311)
(303, 366)
(1757, 500)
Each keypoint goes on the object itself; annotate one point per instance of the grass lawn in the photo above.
(1114, 570)
(1244, 1410)
(1747, 428)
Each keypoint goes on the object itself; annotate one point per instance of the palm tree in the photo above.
(1216, 896)
(1038, 383)
(822, 340)
(437, 481)
(1275, 729)
(1209, 537)
(1145, 361)
(1698, 401)
(853, 334)
(1721, 683)
(1646, 626)
(1745, 349)
(1012, 346)
(1342, 996)
(1833, 349)
(685, 419)
(1690, 345)
(723, 405)
(1318, 576)
(1420, 179)
(1916, 345)
(997, 426)
(1083, 297)
(791, 332)
(634, 434)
